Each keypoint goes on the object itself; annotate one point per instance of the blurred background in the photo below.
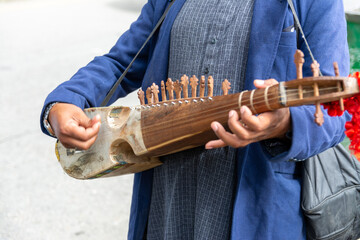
(353, 24)
(43, 43)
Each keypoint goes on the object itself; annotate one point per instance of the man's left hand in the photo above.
(248, 128)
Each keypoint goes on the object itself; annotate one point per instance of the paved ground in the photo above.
(42, 43)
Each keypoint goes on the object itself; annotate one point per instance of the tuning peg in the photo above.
(177, 89)
(149, 96)
(341, 100)
(299, 62)
(341, 103)
(202, 86)
(193, 83)
(336, 69)
(184, 83)
(226, 87)
(170, 88)
(210, 86)
(163, 91)
(300, 91)
(155, 92)
(319, 116)
(141, 96)
(315, 68)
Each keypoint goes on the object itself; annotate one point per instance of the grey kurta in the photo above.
(192, 194)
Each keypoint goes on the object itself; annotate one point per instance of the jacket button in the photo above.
(206, 70)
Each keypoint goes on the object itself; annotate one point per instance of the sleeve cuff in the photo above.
(45, 122)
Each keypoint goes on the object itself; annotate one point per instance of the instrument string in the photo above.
(293, 92)
(289, 93)
(223, 109)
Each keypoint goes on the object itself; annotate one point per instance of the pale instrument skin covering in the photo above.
(132, 138)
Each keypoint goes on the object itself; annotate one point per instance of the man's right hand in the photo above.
(72, 127)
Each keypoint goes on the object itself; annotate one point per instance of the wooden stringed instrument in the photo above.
(131, 139)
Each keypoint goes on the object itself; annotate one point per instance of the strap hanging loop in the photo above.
(116, 84)
(298, 25)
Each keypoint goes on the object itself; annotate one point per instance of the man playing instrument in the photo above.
(246, 184)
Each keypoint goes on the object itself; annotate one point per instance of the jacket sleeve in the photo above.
(89, 86)
(324, 26)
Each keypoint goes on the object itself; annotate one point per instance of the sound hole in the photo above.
(121, 152)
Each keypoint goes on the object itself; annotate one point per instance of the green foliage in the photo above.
(354, 45)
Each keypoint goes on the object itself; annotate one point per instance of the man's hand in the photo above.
(249, 128)
(72, 127)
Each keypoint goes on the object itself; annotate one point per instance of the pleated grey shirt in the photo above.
(193, 190)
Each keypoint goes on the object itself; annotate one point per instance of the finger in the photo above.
(215, 144)
(238, 128)
(81, 133)
(84, 120)
(265, 83)
(69, 142)
(252, 122)
(228, 138)
(96, 119)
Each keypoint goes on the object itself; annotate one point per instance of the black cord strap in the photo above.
(297, 22)
(114, 87)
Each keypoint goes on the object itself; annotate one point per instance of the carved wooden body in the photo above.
(130, 139)
(113, 153)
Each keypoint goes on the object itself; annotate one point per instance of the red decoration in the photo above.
(352, 105)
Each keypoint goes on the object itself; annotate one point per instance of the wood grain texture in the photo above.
(176, 127)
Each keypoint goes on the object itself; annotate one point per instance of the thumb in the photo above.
(96, 119)
(83, 120)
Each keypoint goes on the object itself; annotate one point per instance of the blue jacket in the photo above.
(267, 202)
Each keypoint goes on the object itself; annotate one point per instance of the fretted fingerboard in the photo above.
(172, 126)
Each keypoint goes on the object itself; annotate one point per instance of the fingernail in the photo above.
(215, 127)
(231, 113)
(259, 82)
(242, 110)
(208, 148)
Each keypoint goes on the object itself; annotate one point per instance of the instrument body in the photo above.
(131, 139)
(113, 153)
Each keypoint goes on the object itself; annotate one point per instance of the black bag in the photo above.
(331, 195)
(330, 188)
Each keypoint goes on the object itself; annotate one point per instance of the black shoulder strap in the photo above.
(116, 84)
